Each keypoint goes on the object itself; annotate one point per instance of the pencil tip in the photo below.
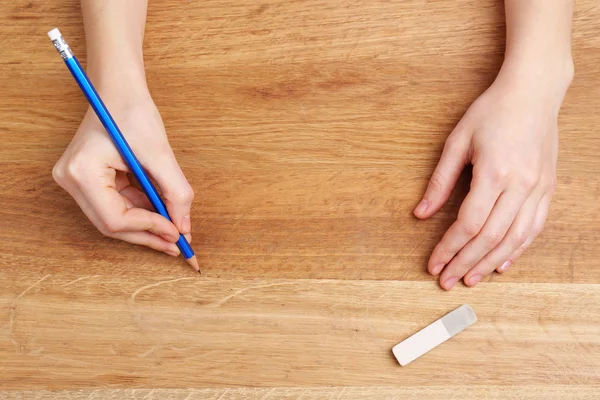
(194, 263)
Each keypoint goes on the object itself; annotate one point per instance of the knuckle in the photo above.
(446, 253)
(104, 230)
(58, 173)
(551, 185)
(529, 181)
(537, 229)
(492, 238)
(185, 195)
(110, 227)
(522, 248)
(498, 176)
(453, 143)
(437, 182)
(74, 169)
(471, 228)
(520, 237)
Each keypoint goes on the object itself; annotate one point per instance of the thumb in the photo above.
(452, 162)
(177, 192)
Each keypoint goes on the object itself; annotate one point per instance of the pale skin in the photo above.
(509, 135)
(91, 169)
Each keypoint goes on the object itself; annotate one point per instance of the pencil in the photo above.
(117, 138)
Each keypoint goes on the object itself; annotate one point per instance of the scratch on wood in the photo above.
(303, 112)
(238, 292)
(140, 290)
(341, 393)
(148, 352)
(302, 394)
(417, 247)
(13, 305)
(150, 394)
(80, 279)
(268, 394)
(224, 393)
(69, 360)
(175, 348)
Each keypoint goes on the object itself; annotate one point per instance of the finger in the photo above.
(471, 218)
(178, 193)
(138, 219)
(537, 227)
(492, 233)
(136, 197)
(114, 215)
(142, 237)
(452, 162)
(121, 180)
(516, 236)
(149, 240)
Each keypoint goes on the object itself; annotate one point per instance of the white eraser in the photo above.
(54, 34)
(435, 334)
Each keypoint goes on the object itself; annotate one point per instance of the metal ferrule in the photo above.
(63, 48)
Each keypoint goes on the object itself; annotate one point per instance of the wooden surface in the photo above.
(308, 130)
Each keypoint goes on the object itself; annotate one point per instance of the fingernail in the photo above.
(169, 238)
(422, 207)
(188, 237)
(186, 224)
(172, 253)
(475, 280)
(504, 266)
(437, 269)
(450, 282)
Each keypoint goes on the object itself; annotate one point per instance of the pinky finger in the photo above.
(148, 239)
(538, 225)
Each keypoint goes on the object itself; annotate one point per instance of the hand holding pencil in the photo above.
(94, 174)
(93, 169)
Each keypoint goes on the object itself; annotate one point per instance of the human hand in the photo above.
(92, 171)
(510, 136)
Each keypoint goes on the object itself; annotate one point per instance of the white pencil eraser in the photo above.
(435, 334)
(54, 34)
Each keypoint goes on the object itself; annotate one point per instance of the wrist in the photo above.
(114, 72)
(120, 93)
(117, 77)
(114, 33)
(557, 68)
(545, 77)
(115, 59)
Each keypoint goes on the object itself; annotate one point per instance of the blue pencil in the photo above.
(117, 137)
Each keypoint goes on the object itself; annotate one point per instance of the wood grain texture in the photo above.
(351, 393)
(288, 332)
(308, 130)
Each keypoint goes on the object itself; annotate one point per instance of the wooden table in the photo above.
(308, 130)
